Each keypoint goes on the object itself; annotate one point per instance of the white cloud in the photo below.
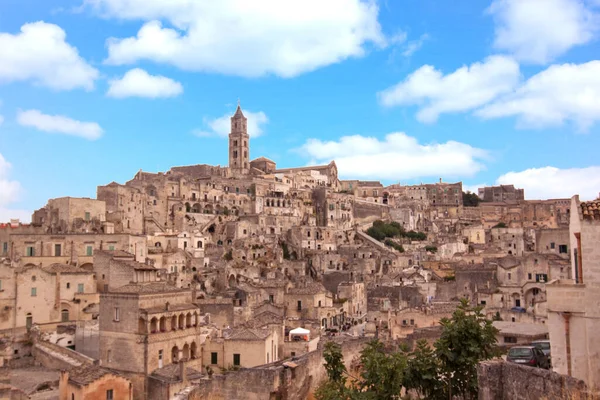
(473, 188)
(551, 182)
(40, 54)
(466, 88)
(414, 45)
(220, 127)
(568, 92)
(9, 189)
(397, 157)
(59, 124)
(245, 38)
(537, 31)
(138, 83)
(1, 119)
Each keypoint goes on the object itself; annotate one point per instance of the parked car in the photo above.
(528, 355)
(544, 346)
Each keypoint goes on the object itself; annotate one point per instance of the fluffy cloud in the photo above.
(567, 92)
(466, 88)
(397, 157)
(220, 127)
(245, 38)
(139, 83)
(39, 53)
(59, 124)
(551, 182)
(538, 31)
(9, 190)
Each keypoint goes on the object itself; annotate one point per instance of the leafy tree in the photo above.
(335, 387)
(432, 249)
(394, 245)
(470, 199)
(467, 338)
(423, 372)
(499, 225)
(229, 255)
(382, 373)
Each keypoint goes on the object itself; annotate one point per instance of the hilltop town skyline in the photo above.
(402, 93)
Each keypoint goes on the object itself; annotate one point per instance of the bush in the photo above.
(229, 255)
(431, 249)
(382, 230)
(499, 225)
(394, 245)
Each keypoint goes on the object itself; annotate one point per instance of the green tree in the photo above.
(423, 372)
(470, 199)
(382, 372)
(467, 339)
(335, 387)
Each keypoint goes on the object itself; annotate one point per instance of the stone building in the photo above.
(93, 383)
(145, 327)
(70, 214)
(573, 314)
(501, 193)
(239, 144)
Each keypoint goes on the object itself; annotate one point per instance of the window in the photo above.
(299, 305)
(4, 247)
(111, 247)
(89, 250)
(510, 339)
(483, 302)
(319, 303)
(57, 250)
(552, 245)
(109, 394)
(236, 359)
(64, 316)
(117, 314)
(87, 216)
(271, 298)
(30, 251)
(509, 276)
(80, 288)
(412, 321)
(33, 292)
(529, 275)
(214, 358)
(541, 277)
(562, 249)
(68, 285)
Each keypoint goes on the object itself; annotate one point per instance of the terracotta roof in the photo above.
(248, 334)
(87, 374)
(171, 371)
(591, 209)
(66, 269)
(148, 287)
(263, 319)
(308, 288)
(119, 253)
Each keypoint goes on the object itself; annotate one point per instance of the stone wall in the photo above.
(499, 380)
(274, 381)
(57, 357)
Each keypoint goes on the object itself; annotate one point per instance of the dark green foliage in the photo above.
(499, 225)
(447, 370)
(467, 338)
(449, 278)
(228, 256)
(423, 372)
(394, 245)
(382, 230)
(382, 372)
(432, 249)
(497, 316)
(225, 211)
(470, 199)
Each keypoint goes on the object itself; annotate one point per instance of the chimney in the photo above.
(182, 371)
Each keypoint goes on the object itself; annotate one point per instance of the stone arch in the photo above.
(188, 208)
(153, 325)
(185, 353)
(181, 321)
(195, 318)
(157, 244)
(199, 244)
(175, 354)
(174, 322)
(162, 324)
(188, 320)
(232, 280)
(193, 351)
(87, 267)
(64, 315)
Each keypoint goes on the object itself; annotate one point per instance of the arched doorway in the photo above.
(64, 315)
(175, 354)
(29, 321)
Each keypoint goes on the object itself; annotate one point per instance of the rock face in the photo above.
(499, 380)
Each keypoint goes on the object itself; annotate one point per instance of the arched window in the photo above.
(163, 324)
(29, 320)
(174, 322)
(186, 352)
(64, 315)
(199, 244)
(153, 325)
(193, 350)
(174, 354)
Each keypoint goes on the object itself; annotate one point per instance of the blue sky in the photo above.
(502, 91)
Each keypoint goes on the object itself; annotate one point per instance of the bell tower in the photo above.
(239, 143)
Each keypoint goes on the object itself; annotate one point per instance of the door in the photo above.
(160, 359)
(29, 321)
(517, 302)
